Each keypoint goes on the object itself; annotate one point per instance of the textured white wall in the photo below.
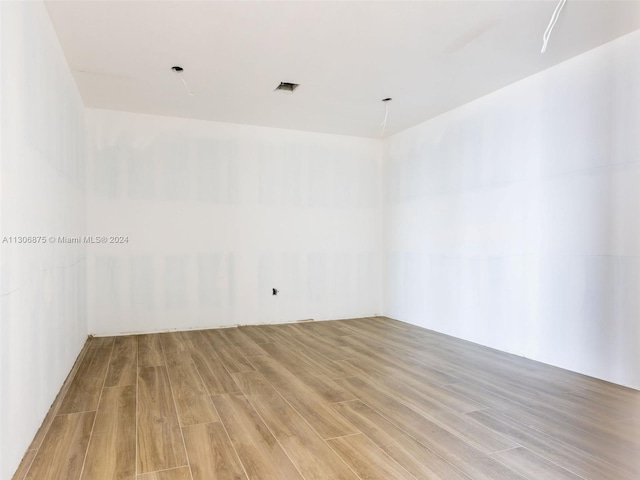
(514, 221)
(218, 214)
(42, 287)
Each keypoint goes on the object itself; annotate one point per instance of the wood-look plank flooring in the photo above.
(360, 399)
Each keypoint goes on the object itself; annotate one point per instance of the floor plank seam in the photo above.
(95, 417)
(175, 406)
(343, 436)
(274, 436)
(340, 456)
(505, 450)
(219, 358)
(163, 470)
(551, 462)
(570, 446)
(303, 419)
(219, 419)
(224, 427)
(243, 394)
(80, 411)
(341, 402)
(400, 428)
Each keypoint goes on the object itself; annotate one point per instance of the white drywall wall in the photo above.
(217, 215)
(514, 221)
(42, 291)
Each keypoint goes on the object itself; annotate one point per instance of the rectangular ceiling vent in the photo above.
(287, 87)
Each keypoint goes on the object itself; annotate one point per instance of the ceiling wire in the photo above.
(178, 71)
(552, 23)
(383, 125)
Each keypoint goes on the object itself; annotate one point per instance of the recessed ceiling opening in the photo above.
(287, 87)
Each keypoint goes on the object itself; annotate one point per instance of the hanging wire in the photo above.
(383, 125)
(552, 23)
(184, 82)
(178, 71)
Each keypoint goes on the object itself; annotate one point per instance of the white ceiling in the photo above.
(430, 56)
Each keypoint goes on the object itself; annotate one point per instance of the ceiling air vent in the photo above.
(287, 87)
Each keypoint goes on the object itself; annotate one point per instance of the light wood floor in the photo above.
(353, 399)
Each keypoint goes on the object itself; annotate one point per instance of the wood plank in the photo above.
(532, 466)
(259, 452)
(187, 379)
(112, 449)
(289, 358)
(309, 453)
(326, 388)
(306, 402)
(245, 345)
(84, 392)
(216, 378)
(255, 333)
(420, 391)
(401, 360)
(592, 438)
(195, 410)
(315, 343)
(404, 449)
(329, 331)
(548, 408)
(330, 368)
(124, 362)
(480, 395)
(211, 454)
(150, 351)
(230, 356)
(387, 383)
(596, 441)
(472, 432)
(160, 443)
(607, 405)
(62, 452)
(629, 427)
(192, 400)
(367, 459)
(182, 473)
(174, 346)
(455, 450)
(277, 334)
(560, 453)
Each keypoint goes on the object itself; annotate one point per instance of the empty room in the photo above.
(304, 240)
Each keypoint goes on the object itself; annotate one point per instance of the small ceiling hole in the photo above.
(287, 87)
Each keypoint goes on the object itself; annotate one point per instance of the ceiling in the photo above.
(429, 56)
